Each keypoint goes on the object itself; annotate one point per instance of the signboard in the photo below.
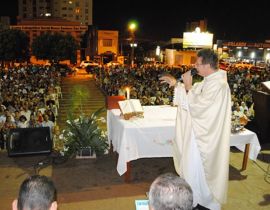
(246, 44)
(197, 40)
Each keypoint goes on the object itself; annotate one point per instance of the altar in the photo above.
(152, 136)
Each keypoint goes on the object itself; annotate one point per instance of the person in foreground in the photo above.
(203, 127)
(36, 193)
(170, 192)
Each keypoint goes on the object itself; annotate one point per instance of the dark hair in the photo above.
(209, 57)
(170, 192)
(36, 193)
(22, 117)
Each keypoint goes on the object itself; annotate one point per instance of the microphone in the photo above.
(193, 72)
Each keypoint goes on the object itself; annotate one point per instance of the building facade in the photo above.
(37, 26)
(102, 45)
(178, 58)
(107, 42)
(73, 10)
(107, 45)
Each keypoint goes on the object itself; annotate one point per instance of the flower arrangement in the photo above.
(236, 125)
(84, 132)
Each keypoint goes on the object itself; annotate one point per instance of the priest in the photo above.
(203, 126)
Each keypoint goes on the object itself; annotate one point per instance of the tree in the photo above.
(14, 45)
(55, 47)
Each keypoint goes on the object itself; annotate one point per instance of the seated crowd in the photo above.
(28, 98)
(145, 85)
(143, 81)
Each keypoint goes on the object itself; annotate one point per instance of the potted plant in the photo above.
(83, 136)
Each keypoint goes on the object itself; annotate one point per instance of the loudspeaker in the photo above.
(262, 116)
(29, 141)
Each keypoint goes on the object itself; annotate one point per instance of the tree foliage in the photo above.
(55, 47)
(14, 45)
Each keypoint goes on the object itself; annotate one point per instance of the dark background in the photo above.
(162, 20)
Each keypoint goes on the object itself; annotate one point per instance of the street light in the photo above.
(132, 26)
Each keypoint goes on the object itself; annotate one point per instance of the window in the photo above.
(107, 42)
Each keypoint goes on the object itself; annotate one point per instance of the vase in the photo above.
(85, 153)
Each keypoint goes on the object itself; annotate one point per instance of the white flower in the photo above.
(70, 133)
(102, 119)
(104, 133)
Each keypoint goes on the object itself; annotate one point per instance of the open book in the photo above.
(131, 108)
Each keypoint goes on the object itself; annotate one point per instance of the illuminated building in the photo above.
(73, 10)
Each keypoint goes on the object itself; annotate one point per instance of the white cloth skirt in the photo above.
(196, 179)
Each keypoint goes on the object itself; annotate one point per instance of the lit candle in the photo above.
(128, 92)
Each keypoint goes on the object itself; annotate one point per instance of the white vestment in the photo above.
(202, 140)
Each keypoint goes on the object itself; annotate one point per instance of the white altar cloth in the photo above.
(152, 135)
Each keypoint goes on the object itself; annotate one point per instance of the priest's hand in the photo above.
(168, 79)
(187, 80)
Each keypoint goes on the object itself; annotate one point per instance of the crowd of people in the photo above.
(242, 83)
(144, 85)
(29, 98)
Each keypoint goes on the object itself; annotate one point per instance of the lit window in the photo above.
(107, 42)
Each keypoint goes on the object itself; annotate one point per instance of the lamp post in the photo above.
(132, 26)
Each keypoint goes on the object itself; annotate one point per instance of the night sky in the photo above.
(160, 20)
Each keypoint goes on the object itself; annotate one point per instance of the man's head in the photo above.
(207, 62)
(36, 193)
(170, 192)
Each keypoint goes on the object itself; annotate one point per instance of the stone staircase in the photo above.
(91, 97)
